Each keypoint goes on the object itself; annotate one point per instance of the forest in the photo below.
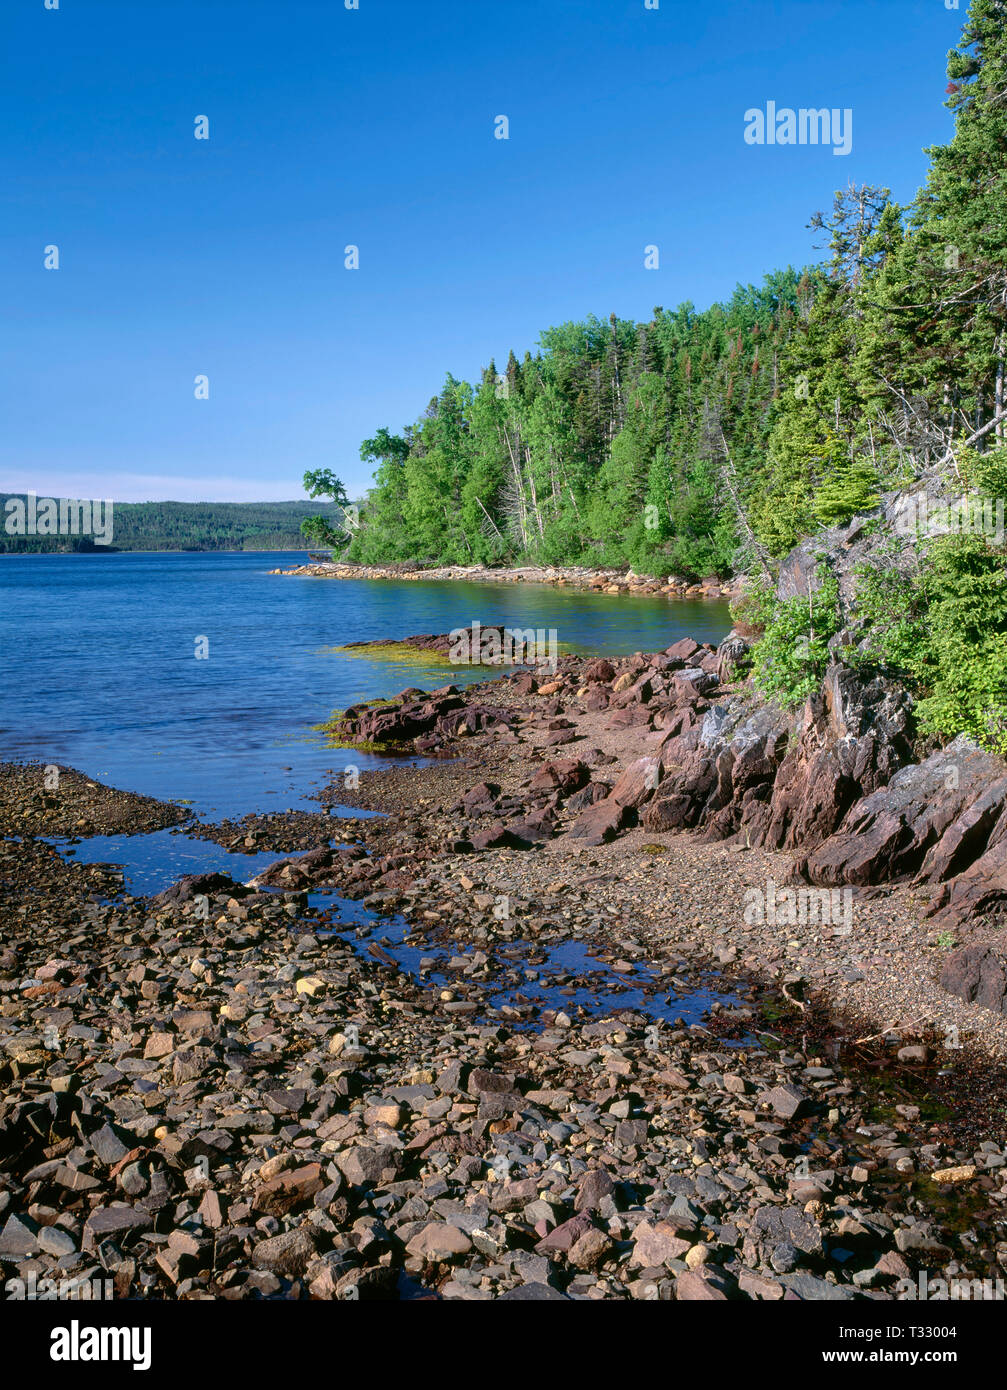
(709, 442)
(181, 526)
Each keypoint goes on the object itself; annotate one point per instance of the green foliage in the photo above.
(985, 474)
(606, 447)
(848, 489)
(181, 526)
(697, 442)
(790, 659)
(322, 482)
(944, 622)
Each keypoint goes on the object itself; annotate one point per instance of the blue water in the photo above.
(569, 977)
(98, 671)
(154, 861)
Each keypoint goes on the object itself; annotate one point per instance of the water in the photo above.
(98, 667)
(155, 861)
(568, 974)
(98, 671)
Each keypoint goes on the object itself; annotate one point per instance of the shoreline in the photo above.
(607, 581)
(449, 1044)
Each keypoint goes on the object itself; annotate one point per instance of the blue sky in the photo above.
(375, 127)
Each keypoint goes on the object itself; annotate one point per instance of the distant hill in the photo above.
(181, 526)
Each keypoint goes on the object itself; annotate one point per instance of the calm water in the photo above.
(98, 666)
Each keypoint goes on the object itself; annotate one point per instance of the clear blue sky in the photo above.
(375, 127)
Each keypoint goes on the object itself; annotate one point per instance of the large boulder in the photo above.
(601, 822)
(977, 974)
(887, 834)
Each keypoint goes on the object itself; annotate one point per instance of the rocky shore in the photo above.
(556, 1024)
(602, 581)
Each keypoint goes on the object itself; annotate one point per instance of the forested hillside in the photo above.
(182, 526)
(711, 441)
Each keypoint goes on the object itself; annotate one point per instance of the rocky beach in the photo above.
(604, 581)
(629, 985)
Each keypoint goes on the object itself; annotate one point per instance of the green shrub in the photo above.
(945, 624)
(790, 660)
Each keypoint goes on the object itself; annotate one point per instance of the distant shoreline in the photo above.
(105, 551)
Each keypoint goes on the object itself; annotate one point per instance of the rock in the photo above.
(808, 1288)
(198, 885)
(55, 1241)
(289, 1191)
(773, 1226)
(560, 1240)
(786, 1101)
(599, 670)
(885, 836)
(683, 650)
(107, 1146)
(656, 1244)
(481, 1080)
(591, 1249)
(533, 1293)
(19, 1238)
(638, 782)
(594, 1187)
(702, 1286)
(288, 1254)
(439, 1241)
(600, 822)
(565, 776)
(367, 1165)
(498, 836)
(964, 1172)
(977, 974)
(733, 658)
(119, 1223)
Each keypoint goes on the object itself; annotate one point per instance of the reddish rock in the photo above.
(701, 1285)
(439, 1242)
(977, 974)
(638, 782)
(289, 1191)
(601, 822)
(566, 775)
(478, 800)
(498, 836)
(656, 1244)
(565, 1235)
(600, 670)
(886, 835)
(683, 650)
